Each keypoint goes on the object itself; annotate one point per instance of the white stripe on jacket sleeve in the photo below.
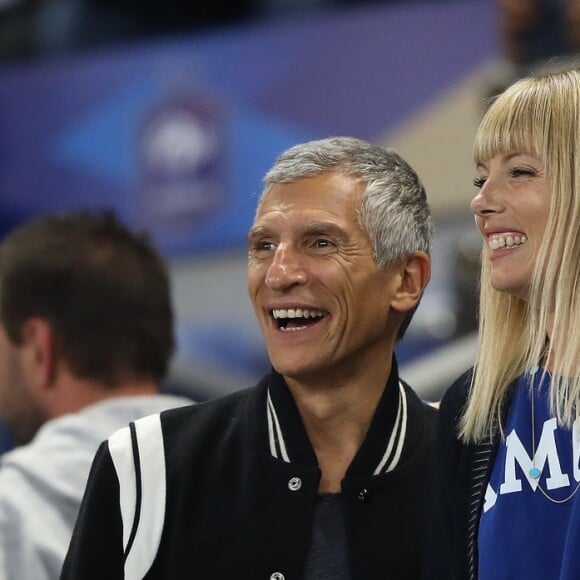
(151, 463)
(122, 455)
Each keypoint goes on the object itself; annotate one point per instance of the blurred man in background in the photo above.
(86, 335)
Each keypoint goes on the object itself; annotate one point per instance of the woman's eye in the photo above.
(479, 182)
(521, 172)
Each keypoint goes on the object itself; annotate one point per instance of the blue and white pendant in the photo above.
(535, 473)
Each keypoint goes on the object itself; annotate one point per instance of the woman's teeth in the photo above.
(498, 242)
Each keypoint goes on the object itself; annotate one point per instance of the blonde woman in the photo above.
(509, 435)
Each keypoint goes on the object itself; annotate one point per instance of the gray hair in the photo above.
(394, 211)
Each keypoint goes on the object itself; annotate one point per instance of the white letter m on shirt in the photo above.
(545, 452)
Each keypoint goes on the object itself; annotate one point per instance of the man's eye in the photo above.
(479, 182)
(263, 246)
(323, 243)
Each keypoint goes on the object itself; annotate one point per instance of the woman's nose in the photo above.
(487, 201)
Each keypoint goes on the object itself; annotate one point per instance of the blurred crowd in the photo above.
(30, 28)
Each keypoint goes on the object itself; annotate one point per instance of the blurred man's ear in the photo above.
(415, 273)
(39, 354)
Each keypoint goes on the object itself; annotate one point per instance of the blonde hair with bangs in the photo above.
(538, 116)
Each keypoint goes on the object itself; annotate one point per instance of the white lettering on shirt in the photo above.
(546, 453)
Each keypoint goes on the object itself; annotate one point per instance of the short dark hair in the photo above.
(103, 289)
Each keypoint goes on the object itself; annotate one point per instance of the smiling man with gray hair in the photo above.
(323, 469)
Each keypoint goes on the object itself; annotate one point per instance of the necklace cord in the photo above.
(534, 468)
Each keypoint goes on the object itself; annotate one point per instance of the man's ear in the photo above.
(414, 275)
(39, 353)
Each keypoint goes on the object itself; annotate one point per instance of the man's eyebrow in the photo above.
(256, 231)
(324, 228)
(313, 228)
(308, 227)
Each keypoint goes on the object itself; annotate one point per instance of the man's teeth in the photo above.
(498, 242)
(297, 313)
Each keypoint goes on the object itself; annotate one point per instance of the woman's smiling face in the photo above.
(511, 212)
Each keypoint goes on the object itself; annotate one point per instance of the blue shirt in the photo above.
(522, 534)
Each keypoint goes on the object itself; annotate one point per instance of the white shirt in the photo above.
(42, 483)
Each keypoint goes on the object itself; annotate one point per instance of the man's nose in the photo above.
(286, 269)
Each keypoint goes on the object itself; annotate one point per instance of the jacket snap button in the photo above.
(277, 576)
(293, 485)
(363, 495)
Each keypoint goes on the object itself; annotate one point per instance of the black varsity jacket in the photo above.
(227, 489)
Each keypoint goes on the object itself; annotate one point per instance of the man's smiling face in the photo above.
(320, 299)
